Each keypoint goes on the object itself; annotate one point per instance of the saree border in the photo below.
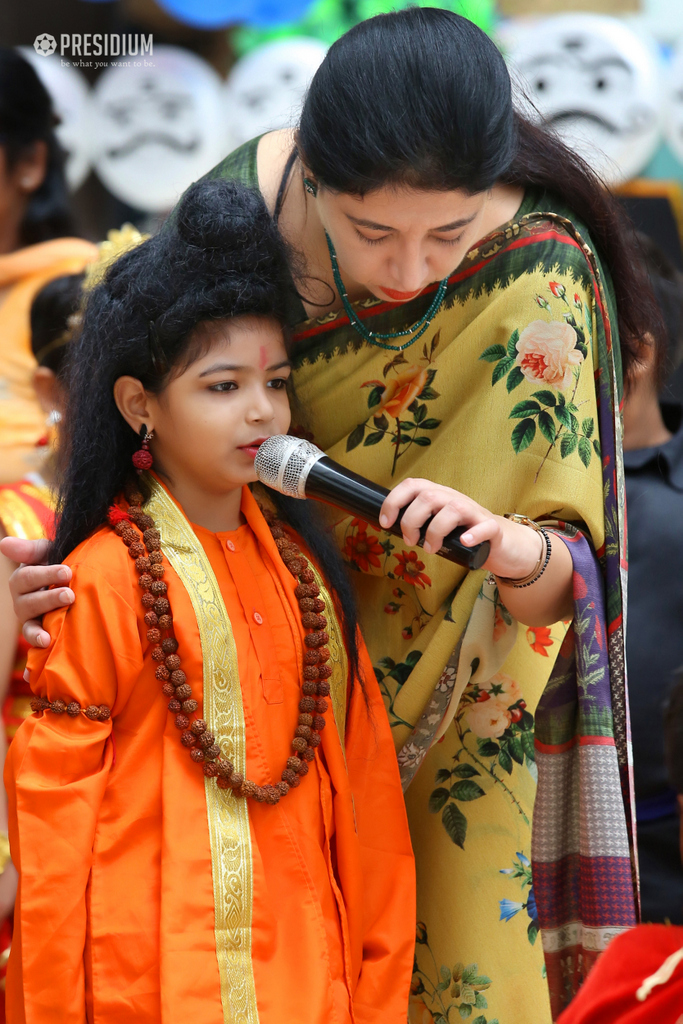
(228, 815)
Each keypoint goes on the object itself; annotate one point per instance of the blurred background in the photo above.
(152, 93)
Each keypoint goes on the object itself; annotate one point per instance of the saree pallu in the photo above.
(513, 742)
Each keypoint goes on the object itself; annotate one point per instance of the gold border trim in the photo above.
(228, 815)
(17, 516)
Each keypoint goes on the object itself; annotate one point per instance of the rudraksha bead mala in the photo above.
(144, 546)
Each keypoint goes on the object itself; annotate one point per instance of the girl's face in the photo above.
(396, 241)
(209, 421)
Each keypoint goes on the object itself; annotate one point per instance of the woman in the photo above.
(34, 218)
(409, 161)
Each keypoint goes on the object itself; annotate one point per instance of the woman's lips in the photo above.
(400, 296)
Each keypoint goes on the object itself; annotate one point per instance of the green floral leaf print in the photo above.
(596, 447)
(480, 1002)
(493, 353)
(568, 445)
(487, 748)
(466, 790)
(374, 438)
(512, 343)
(467, 994)
(455, 823)
(481, 983)
(587, 427)
(427, 394)
(381, 422)
(515, 378)
(523, 435)
(464, 771)
(563, 415)
(546, 425)
(355, 437)
(527, 407)
(479, 1020)
(437, 800)
(503, 367)
(545, 398)
(527, 741)
(430, 424)
(423, 442)
(515, 749)
(465, 1010)
(458, 971)
(585, 451)
(505, 761)
(443, 775)
(445, 975)
(375, 397)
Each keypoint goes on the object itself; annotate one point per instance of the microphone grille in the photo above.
(283, 463)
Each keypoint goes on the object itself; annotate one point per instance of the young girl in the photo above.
(205, 808)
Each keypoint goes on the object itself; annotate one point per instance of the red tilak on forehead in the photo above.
(263, 361)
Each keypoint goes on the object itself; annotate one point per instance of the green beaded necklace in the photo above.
(374, 337)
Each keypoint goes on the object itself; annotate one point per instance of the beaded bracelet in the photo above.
(541, 565)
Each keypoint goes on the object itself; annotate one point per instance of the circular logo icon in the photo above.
(45, 44)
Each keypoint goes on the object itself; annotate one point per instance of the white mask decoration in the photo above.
(157, 128)
(673, 110)
(266, 88)
(70, 96)
(596, 82)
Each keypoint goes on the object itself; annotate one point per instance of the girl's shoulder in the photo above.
(102, 558)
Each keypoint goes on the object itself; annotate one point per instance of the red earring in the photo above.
(142, 459)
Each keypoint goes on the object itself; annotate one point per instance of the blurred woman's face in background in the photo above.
(18, 181)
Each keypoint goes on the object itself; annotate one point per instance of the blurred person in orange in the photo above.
(36, 245)
(27, 511)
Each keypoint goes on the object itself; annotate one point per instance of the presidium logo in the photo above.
(89, 44)
(45, 44)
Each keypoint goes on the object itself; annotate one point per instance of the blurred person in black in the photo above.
(653, 463)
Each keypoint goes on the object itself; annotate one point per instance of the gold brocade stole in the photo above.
(228, 815)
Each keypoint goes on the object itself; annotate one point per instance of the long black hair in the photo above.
(27, 117)
(422, 97)
(222, 257)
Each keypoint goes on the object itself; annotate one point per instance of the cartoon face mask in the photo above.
(594, 81)
(70, 96)
(673, 109)
(266, 88)
(157, 128)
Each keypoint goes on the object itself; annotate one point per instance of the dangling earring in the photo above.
(142, 459)
(310, 187)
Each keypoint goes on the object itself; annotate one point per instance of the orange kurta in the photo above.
(123, 876)
(22, 274)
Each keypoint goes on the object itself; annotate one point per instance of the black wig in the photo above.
(222, 257)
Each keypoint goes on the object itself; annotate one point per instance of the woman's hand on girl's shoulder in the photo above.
(515, 548)
(28, 586)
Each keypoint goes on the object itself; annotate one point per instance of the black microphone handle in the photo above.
(329, 482)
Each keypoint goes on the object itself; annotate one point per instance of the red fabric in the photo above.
(609, 993)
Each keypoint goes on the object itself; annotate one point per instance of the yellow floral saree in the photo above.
(512, 741)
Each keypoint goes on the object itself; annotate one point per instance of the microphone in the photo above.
(299, 469)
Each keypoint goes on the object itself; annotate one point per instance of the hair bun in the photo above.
(219, 214)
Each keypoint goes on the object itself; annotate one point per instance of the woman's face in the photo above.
(209, 421)
(396, 241)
